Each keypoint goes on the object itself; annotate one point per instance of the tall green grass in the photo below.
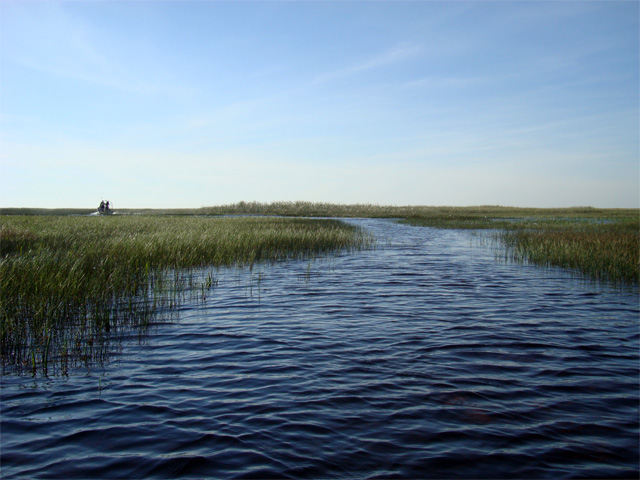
(441, 216)
(420, 214)
(67, 284)
(608, 252)
(601, 244)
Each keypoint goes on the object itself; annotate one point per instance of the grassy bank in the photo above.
(66, 282)
(443, 217)
(603, 244)
(603, 251)
(69, 283)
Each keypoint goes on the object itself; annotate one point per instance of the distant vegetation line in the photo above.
(358, 210)
(68, 283)
(601, 243)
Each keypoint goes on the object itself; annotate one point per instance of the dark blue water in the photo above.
(424, 358)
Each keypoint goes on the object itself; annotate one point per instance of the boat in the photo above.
(105, 208)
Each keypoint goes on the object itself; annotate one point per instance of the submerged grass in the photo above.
(67, 283)
(608, 252)
(601, 244)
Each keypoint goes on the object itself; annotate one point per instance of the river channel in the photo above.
(427, 357)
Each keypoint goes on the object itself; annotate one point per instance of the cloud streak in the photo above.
(386, 58)
(192, 103)
(70, 47)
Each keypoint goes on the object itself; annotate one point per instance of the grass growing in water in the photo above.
(602, 244)
(68, 283)
(607, 252)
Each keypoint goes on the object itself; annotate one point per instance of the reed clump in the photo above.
(603, 244)
(67, 284)
(440, 214)
(609, 251)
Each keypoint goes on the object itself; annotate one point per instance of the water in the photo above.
(426, 358)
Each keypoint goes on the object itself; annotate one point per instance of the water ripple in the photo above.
(425, 358)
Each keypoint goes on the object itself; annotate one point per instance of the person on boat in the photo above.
(107, 209)
(101, 207)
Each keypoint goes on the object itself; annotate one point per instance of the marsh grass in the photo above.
(601, 244)
(608, 251)
(444, 216)
(69, 285)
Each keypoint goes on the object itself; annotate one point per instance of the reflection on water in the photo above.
(425, 358)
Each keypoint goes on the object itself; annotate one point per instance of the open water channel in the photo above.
(424, 358)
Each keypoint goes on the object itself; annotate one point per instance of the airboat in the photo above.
(105, 208)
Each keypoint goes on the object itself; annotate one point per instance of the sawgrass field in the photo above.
(69, 281)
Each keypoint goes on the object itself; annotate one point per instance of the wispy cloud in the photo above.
(383, 59)
(449, 81)
(69, 46)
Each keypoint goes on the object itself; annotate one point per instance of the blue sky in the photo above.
(188, 104)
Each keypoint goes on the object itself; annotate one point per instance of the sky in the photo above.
(161, 104)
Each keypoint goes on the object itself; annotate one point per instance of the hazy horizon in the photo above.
(202, 103)
(115, 208)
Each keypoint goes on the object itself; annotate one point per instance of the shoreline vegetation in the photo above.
(603, 244)
(71, 282)
(319, 209)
